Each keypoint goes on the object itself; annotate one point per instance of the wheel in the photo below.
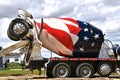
(18, 28)
(104, 69)
(12, 37)
(85, 70)
(61, 70)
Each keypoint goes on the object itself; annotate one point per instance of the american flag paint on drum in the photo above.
(69, 37)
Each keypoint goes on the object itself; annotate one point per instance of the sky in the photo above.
(104, 14)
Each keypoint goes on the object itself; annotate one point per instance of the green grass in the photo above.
(9, 72)
(14, 65)
(16, 69)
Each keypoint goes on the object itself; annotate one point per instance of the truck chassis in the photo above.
(81, 67)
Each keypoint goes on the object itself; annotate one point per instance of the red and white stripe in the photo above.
(64, 32)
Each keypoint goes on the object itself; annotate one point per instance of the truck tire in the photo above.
(85, 70)
(12, 37)
(104, 69)
(18, 28)
(61, 70)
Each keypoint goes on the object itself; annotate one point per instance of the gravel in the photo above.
(43, 77)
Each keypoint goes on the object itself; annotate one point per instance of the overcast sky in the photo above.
(104, 14)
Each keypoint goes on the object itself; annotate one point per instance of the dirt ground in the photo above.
(43, 77)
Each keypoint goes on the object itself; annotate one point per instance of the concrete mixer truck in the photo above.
(83, 47)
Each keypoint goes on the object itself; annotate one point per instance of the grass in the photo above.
(16, 69)
(14, 65)
(10, 72)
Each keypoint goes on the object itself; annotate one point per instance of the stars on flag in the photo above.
(81, 49)
(92, 44)
(86, 38)
(85, 23)
(85, 30)
(88, 34)
(90, 38)
(91, 31)
(96, 36)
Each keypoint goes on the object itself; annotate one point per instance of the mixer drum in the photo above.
(116, 50)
